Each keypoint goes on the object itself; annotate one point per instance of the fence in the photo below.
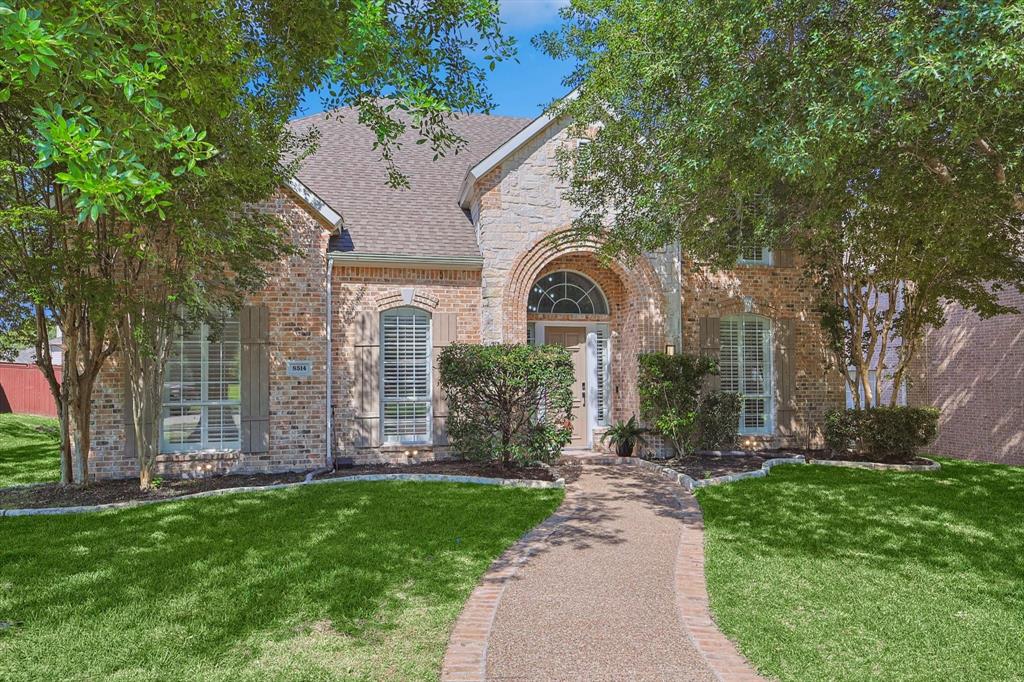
(23, 390)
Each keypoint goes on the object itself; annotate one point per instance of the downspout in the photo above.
(329, 365)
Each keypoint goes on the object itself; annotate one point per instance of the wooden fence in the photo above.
(23, 390)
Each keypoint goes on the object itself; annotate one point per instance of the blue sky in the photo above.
(523, 88)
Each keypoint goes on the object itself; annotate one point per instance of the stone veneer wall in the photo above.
(974, 373)
(296, 298)
(776, 293)
(373, 289)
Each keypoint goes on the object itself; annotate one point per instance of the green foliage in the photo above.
(884, 141)
(669, 388)
(625, 436)
(718, 421)
(881, 432)
(278, 588)
(510, 403)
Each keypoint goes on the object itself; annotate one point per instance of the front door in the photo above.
(574, 339)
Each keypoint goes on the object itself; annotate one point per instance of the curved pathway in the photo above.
(610, 588)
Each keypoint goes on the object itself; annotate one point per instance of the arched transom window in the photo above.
(566, 292)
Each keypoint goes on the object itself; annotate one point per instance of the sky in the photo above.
(518, 89)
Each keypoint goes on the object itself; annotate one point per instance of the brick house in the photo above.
(336, 357)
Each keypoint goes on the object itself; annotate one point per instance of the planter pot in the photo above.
(624, 449)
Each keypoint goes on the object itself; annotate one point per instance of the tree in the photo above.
(508, 402)
(883, 140)
(124, 124)
(669, 387)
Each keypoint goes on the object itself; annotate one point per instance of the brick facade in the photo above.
(517, 211)
(974, 373)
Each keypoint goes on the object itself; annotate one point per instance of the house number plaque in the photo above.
(300, 368)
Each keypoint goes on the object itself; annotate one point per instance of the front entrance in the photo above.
(574, 339)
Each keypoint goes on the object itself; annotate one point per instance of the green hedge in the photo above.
(881, 432)
(508, 402)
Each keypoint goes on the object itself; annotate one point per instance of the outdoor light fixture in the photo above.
(670, 349)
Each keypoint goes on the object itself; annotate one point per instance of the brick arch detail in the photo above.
(636, 305)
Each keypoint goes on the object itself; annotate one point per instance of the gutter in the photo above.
(391, 260)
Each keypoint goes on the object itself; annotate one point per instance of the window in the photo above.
(755, 255)
(746, 369)
(405, 376)
(531, 334)
(202, 390)
(602, 348)
(566, 292)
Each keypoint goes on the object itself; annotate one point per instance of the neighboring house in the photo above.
(973, 371)
(23, 388)
(337, 356)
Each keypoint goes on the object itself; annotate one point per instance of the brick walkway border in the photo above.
(466, 657)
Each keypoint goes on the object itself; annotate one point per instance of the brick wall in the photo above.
(372, 290)
(775, 293)
(295, 296)
(974, 373)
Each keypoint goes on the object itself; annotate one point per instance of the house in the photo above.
(336, 357)
(973, 371)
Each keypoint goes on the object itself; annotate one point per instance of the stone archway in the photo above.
(636, 305)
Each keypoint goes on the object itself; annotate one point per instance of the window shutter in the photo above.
(603, 380)
(783, 258)
(785, 369)
(710, 344)
(445, 333)
(129, 425)
(366, 381)
(254, 332)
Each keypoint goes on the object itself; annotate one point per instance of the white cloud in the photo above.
(530, 13)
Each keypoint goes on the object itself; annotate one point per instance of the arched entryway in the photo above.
(605, 312)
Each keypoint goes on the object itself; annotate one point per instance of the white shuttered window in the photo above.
(603, 353)
(405, 376)
(746, 369)
(202, 390)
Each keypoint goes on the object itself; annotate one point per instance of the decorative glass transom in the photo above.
(566, 292)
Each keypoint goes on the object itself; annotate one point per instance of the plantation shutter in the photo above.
(603, 349)
(710, 345)
(445, 333)
(783, 258)
(254, 332)
(367, 379)
(785, 370)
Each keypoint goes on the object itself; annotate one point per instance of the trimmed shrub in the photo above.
(718, 421)
(882, 433)
(510, 403)
(669, 388)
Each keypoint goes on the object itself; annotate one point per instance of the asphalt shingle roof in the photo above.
(422, 220)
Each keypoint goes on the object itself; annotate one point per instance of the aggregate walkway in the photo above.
(605, 590)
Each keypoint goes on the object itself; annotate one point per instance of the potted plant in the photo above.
(625, 436)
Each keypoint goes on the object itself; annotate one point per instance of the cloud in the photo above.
(530, 13)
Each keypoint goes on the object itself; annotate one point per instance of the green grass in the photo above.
(358, 581)
(822, 573)
(28, 455)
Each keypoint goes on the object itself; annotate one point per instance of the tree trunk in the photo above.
(145, 347)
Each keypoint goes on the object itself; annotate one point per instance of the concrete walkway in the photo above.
(597, 599)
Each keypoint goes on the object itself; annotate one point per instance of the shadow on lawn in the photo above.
(200, 581)
(966, 513)
(29, 449)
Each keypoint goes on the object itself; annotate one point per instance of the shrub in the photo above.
(881, 432)
(718, 421)
(509, 403)
(669, 388)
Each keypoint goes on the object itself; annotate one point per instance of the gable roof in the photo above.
(346, 173)
(491, 161)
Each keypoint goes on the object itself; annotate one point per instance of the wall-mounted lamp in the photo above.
(670, 349)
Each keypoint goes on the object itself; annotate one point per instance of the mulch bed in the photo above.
(701, 466)
(127, 490)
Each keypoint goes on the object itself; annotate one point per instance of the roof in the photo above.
(425, 219)
(27, 356)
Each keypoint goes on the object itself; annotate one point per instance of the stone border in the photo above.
(465, 658)
(878, 466)
(431, 478)
(687, 482)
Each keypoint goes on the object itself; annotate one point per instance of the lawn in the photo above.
(358, 581)
(822, 573)
(29, 449)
